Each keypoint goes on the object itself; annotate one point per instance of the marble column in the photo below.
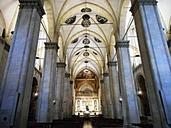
(18, 75)
(108, 96)
(103, 99)
(48, 83)
(60, 90)
(67, 103)
(128, 93)
(156, 59)
(115, 89)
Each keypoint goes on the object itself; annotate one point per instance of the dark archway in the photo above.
(142, 93)
(33, 100)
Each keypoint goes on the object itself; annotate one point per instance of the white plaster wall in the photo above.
(164, 7)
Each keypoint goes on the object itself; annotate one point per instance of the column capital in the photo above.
(38, 4)
(112, 63)
(138, 3)
(61, 64)
(122, 43)
(51, 45)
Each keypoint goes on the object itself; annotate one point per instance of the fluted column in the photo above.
(67, 103)
(19, 70)
(129, 103)
(115, 89)
(46, 106)
(156, 59)
(107, 91)
(60, 90)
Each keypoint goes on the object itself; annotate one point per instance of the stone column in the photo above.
(115, 89)
(156, 59)
(18, 75)
(60, 90)
(67, 103)
(108, 96)
(46, 97)
(128, 93)
(103, 99)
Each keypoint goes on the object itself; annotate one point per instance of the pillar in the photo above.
(128, 93)
(18, 75)
(48, 83)
(67, 103)
(60, 90)
(108, 96)
(103, 99)
(156, 59)
(115, 89)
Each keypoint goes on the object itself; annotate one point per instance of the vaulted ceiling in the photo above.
(85, 30)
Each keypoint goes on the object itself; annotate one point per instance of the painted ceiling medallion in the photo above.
(101, 19)
(74, 41)
(97, 40)
(86, 22)
(86, 41)
(85, 53)
(77, 53)
(95, 53)
(86, 61)
(70, 20)
(86, 9)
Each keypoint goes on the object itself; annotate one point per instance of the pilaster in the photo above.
(129, 103)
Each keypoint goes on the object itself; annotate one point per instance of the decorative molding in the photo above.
(51, 45)
(138, 3)
(122, 43)
(33, 4)
(110, 63)
(61, 64)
